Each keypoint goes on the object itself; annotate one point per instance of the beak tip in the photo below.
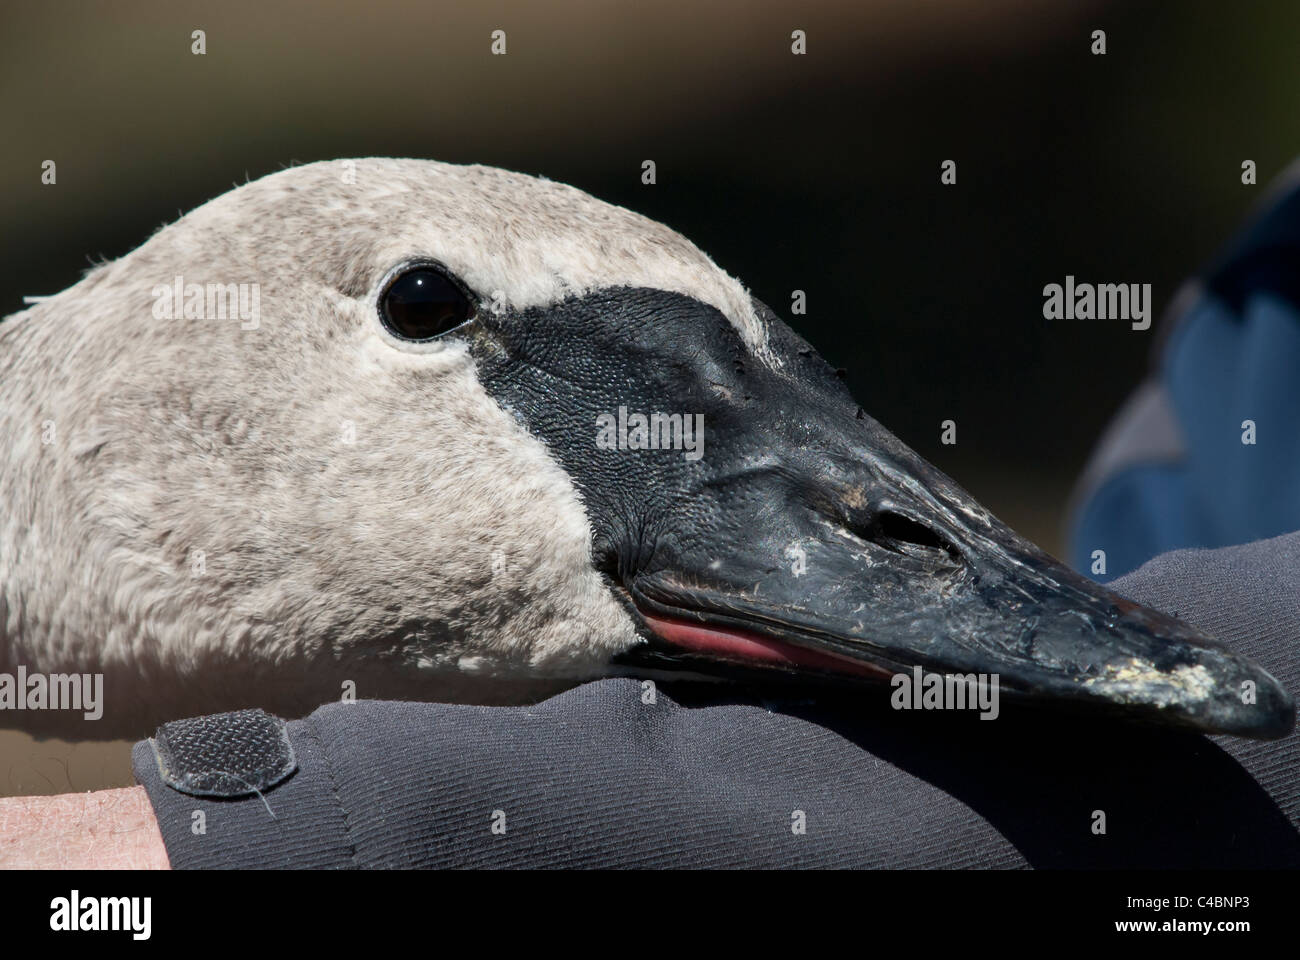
(1250, 702)
(1214, 696)
(1276, 708)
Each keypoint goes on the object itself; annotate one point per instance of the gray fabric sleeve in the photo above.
(593, 777)
(599, 777)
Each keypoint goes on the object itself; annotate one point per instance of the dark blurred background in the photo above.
(816, 172)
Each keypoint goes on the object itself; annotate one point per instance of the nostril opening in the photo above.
(902, 534)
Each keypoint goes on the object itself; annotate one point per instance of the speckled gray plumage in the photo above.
(442, 548)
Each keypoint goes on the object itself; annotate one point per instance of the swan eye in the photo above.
(424, 302)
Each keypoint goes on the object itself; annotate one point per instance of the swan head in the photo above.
(450, 432)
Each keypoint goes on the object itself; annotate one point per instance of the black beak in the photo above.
(804, 538)
(877, 563)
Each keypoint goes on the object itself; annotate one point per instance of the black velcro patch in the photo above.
(224, 755)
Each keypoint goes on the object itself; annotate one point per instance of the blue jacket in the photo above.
(1206, 453)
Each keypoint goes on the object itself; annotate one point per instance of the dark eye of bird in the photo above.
(424, 303)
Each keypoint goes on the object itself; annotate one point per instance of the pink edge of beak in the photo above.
(734, 644)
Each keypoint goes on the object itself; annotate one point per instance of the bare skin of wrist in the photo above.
(104, 830)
